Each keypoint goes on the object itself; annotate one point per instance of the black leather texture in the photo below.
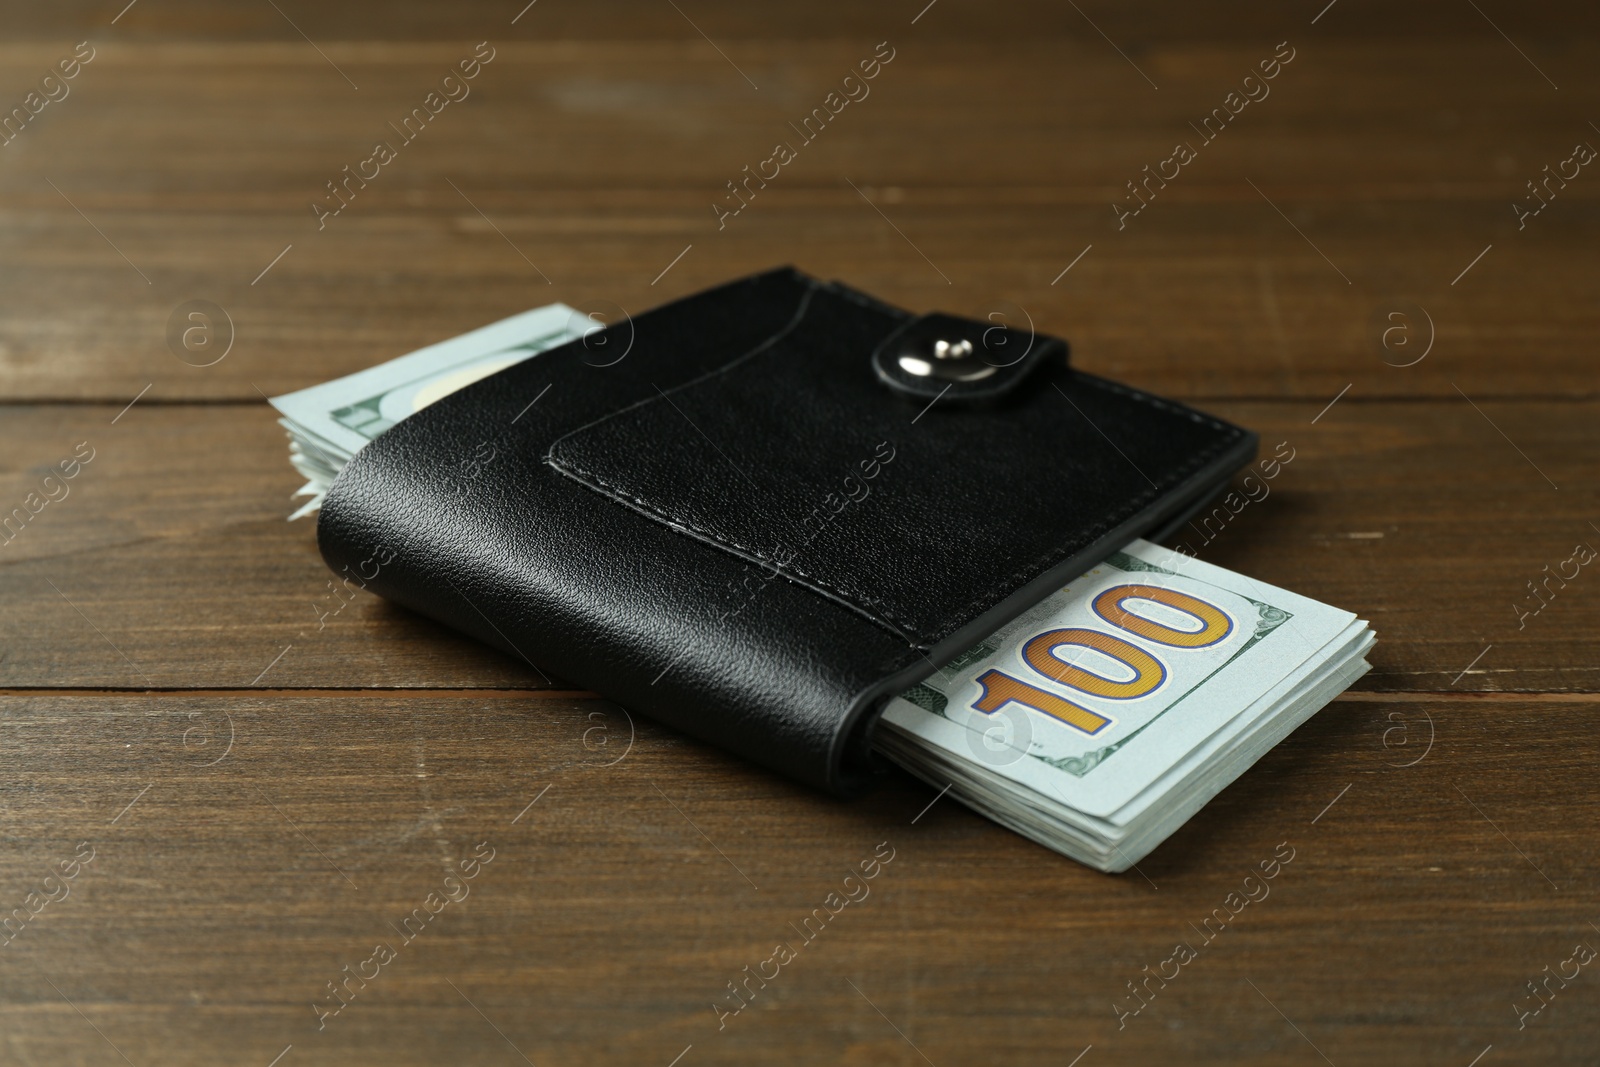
(741, 529)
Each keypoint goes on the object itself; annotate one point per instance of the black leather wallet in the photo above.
(786, 502)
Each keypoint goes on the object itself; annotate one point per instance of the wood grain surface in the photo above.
(269, 789)
(643, 879)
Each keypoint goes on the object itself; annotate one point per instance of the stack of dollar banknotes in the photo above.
(1096, 723)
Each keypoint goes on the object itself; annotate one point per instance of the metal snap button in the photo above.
(949, 361)
(960, 362)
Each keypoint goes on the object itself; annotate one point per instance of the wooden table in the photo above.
(266, 799)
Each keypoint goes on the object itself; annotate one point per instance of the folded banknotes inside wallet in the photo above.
(757, 512)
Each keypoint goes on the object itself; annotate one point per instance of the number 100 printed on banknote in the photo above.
(1116, 679)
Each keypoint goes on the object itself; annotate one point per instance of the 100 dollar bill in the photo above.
(1115, 680)
(343, 415)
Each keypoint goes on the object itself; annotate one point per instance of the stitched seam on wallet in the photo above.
(871, 607)
(878, 612)
(1045, 562)
(883, 616)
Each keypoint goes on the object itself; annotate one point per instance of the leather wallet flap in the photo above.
(919, 515)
